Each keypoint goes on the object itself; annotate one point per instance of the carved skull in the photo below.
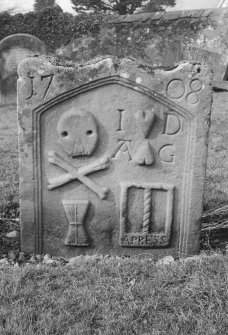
(77, 131)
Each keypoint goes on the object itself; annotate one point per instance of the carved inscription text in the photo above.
(147, 236)
(140, 149)
(42, 83)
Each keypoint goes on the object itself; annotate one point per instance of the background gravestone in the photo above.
(13, 49)
(112, 156)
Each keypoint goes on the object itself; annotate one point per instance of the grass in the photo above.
(116, 296)
(216, 185)
(9, 164)
(9, 209)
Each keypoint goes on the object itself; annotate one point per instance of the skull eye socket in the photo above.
(64, 133)
(89, 132)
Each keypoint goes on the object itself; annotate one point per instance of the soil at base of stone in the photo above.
(214, 240)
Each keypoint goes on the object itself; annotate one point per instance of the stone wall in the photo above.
(160, 39)
(157, 38)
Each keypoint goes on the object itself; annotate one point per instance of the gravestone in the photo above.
(112, 156)
(13, 49)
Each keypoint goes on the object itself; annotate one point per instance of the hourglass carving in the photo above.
(76, 211)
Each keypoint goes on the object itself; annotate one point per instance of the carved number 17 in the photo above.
(47, 79)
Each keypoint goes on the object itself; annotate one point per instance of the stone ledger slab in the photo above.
(112, 156)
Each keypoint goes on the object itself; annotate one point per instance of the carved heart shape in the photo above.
(145, 120)
(144, 155)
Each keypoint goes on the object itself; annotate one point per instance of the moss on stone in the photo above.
(51, 25)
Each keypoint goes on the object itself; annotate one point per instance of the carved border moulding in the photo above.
(36, 123)
(145, 239)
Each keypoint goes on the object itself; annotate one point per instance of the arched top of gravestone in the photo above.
(24, 41)
(13, 49)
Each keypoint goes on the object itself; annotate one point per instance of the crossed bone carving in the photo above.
(80, 174)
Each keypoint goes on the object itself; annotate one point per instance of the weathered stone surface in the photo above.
(138, 185)
(12, 234)
(13, 49)
(3, 262)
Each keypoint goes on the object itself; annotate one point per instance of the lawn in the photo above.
(116, 296)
